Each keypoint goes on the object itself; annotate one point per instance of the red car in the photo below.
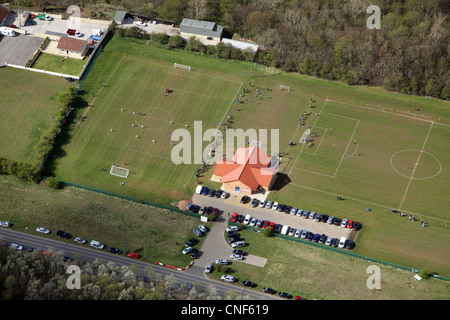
(299, 298)
(12, 26)
(266, 224)
(133, 255)
(349, 224)
(272, 225)
(234, 217)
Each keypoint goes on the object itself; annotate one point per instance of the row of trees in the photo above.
(32, 276)
(330, 38)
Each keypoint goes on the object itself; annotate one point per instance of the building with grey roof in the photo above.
(241, 45)
(209, 33)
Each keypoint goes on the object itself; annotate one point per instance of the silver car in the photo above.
(269, 204)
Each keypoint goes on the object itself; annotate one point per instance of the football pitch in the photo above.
(377, 150)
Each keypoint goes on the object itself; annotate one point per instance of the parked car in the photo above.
(224, 195)
(318, 217)
(234, 217)
(227, 278)
(329, 241)
(312, 215)
(236, 256)
(209, 210)
(356, 225)
(298, 233)
(294, 211)
(114, 250)
(260, 223)
(299, 213)
(349, 224)
(211, 192)
(97, 244)
(349, 244)
(305, 214)
(342, 242)
(335, 242)
(239, 251)
(223, 262)
(337, 221)
(269, 204)
(238, 244)
(233, 239)
(231, 228)
(322, 238)
(79, 240)
(291, 231)
(269, 290)
(280, 207)
(197, 232)
(275, 206)
(254, 203)
(187, 250)
(141, 23)
(252, 222)
(202, 228)
(324, 218)
(247, 219)
(248, 284)
(316, 237)
(245, 199)
(205, 191)
(194, 253)
(63, 234)
(209, 268)
(218, 194)
(344, 223)
(42, 230)
(277, 228)
(191, 242)
(309, 235)
(240, 218)
(232, 234)
(262, 203)
(266, 224)
(16, 246)
(284, 295)
(330, 220)
(304, 233)
(5, 224)
(133, 255)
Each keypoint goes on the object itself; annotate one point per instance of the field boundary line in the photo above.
(415, 166)
(345, 152)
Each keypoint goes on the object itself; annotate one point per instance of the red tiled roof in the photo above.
(3, 13)
(249, 166)
(66, 43)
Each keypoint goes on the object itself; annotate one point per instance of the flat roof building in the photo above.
(209, 33)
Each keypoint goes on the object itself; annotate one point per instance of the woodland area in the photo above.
(329, 39)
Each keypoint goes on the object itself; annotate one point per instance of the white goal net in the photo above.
(304, 136)
(284, 88)
(119, 172)
(182, 66)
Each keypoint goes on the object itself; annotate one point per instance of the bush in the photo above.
(52, 183)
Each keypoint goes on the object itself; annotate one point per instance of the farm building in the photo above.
(248, 172)
(72, 48)
(209, 33)
(119, 17)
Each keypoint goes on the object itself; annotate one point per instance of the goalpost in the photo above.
(182, 66)
(284, 88)
(119, 172)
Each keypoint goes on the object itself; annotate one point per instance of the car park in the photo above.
(222, 262)
(97, 244)
(227, 278)
(236, 256)
(262, 203)
(248, 284)
(5, 224)
(133, 255)
(294, 211)
(16, 246)
(63, 234)
(114, 250)
(269, 290)
(254, 203)
(298, 233)
(191, 242)
(330, 220)
(269, 204)
(197, 232)
(275, 206)
(187, 250)
(231, 228)
(42, 230)
(238, 244)
(209, 268)
(252, 222)
(344, 223)
(79, 240)
(202, 228)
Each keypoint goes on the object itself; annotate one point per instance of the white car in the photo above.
(79, 240)
(48, 18)
(269, 204)
(344, 223)
(238, 244)
(298, 233)
(42, 230)
(262, 203)
(78, 34)
(5, 224)
(224, 195)
(96, 244)
(275, 206)
(141, 23)
(294, 211)
(329, 240)
(231, 228)
(209, 268)
(291, 232)
(252, 222)
(299, 212)
(222, 261)
(16, 246)
(187, 250)
(202, 228)
(227, 278)
(236, 256)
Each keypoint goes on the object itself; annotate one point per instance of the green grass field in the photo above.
(376, 149)
(28, 103)
(50, 62)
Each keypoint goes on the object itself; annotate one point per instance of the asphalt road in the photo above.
(195, 274)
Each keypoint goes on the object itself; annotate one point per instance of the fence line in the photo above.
(59, 74)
